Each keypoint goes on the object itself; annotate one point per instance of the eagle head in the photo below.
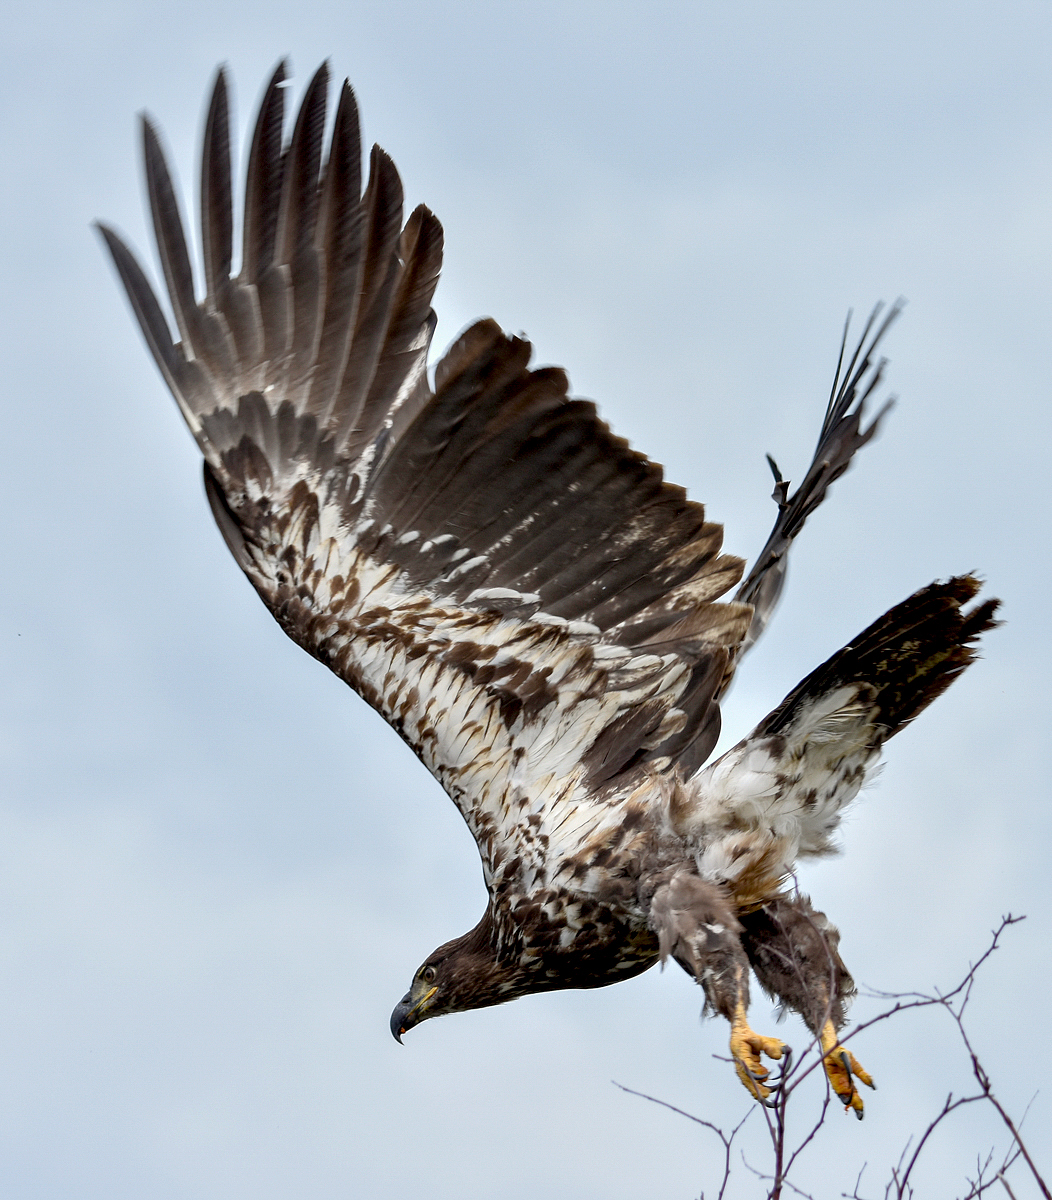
(463, 974)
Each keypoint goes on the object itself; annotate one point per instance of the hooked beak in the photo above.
(408, 1013)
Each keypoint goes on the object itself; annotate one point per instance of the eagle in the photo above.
(547, 622)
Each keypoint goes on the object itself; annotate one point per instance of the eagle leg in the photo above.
(792, 949)
(746, 1048)
(696, 925)
(841, 1065)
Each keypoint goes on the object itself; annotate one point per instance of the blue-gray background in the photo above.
(218, 869)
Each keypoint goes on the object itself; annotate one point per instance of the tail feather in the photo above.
(905, 659)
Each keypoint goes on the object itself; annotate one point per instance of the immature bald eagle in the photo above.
(522, 596)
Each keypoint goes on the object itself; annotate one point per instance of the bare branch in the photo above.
(795, 1069)
(948, 1107)
(1001, 1177)
(726, 1139)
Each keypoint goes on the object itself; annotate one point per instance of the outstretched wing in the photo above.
(520, 594)
(839, 440)
(808, 758)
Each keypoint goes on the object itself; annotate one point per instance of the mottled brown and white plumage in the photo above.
(522, 596)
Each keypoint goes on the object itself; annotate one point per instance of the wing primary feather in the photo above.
(185, 380)
(380, 270)
(263, 180)
(203, 336)
(340, 226)
(144, 304)
(217, 220)
(403, 358)
(841, 437)
(168, 232)
(415, 391)
(845, 392)
(297, 223)
(234, 301)
(299, 198)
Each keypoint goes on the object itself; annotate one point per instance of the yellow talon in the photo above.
(841, 1065)
(746, 1048)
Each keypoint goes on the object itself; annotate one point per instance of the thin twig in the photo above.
(795, 1069)
(726, 1139)
(948, 1107)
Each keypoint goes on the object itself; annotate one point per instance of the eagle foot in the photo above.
(746, 1048)
(841, 1065)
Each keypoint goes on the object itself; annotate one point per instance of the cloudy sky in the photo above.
(218, 869)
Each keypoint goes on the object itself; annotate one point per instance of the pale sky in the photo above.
(219, 869)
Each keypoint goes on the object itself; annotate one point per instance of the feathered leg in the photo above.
(696, 925)
(793, 950)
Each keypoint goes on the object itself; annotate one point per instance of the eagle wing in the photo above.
(520, 594)
(858, 375)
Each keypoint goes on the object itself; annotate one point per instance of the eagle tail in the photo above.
(842, 436)
(806, 760)
(902, 662)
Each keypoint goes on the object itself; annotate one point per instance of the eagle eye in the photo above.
(428, 974)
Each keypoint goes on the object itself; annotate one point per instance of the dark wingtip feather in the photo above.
(143, 301)
(862, 357)
(168, 231)
(431, 228)
(263, 178)
(299, 200)
(217, 217)
(839, 440)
